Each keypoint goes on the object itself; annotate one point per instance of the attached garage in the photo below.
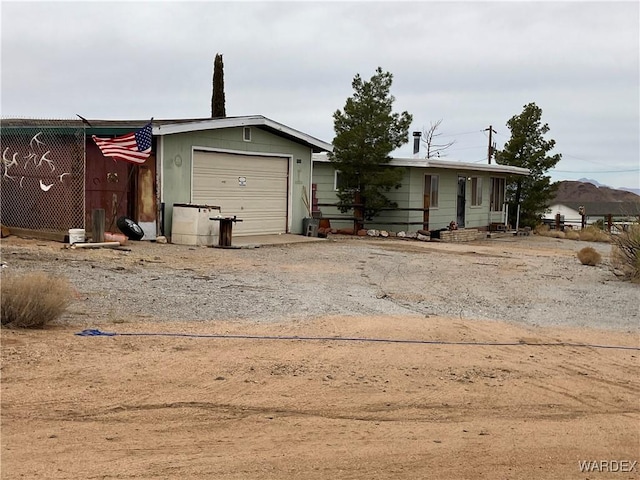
(255, 188)
(252, 167)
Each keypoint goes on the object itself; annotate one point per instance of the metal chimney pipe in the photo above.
(416, 142)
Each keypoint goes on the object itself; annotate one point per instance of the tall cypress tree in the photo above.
(217, 98)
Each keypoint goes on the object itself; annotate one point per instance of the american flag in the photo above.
(133, 147)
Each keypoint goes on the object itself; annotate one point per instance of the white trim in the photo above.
(335, 179)
(237, 152)
(311, 182)
(428, 174)
(159, 181)
(474, 198)
(443, 164)
(160, 161)
(231, 122)
(289, 192)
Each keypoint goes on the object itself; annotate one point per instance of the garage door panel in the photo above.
(261, 202)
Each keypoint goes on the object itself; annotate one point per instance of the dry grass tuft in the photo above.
(33, 300)
(625, 254)
(545, 231)
(594, 234)
(589, 256)
(588, 234)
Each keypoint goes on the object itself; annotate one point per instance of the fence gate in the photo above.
(42, 177)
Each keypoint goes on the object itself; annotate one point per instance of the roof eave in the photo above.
(248, 121)
(445, 164)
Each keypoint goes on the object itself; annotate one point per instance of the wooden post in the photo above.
(97, 225)
(225, 232)
(557, 221)
(358, 214)
(609, 223)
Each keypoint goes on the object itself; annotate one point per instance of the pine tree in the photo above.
(527, 148)
(366, 132)
(217, 98)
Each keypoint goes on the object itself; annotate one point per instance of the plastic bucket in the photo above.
(76, 235)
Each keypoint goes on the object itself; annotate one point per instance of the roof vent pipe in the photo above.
(416, 142)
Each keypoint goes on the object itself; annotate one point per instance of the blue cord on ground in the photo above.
(94, 332)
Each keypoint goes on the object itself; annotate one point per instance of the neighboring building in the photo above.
(53, 174)
(434, 193)
(621, 212)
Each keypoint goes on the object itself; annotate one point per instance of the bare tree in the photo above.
(429, 139)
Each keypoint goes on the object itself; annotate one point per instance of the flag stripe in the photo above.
(132, 147)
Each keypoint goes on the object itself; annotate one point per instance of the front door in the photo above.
(462, 195)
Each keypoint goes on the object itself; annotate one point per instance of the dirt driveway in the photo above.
(350, 359)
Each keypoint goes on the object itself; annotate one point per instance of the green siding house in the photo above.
(433, 194)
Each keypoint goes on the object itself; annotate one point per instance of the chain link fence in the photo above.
(42, 176)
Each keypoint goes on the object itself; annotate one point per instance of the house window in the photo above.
(476, 191)
(338, 181)
(431, 183)
(246, 134)
(497, 194)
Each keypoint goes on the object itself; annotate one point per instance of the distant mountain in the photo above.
(591, 181)
(632, 190)
(577, 191)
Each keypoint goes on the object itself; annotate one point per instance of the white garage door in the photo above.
(253, 188)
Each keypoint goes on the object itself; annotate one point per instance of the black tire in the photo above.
(130, 228)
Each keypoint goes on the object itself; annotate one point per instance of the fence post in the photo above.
(609, 223)
(97, 225)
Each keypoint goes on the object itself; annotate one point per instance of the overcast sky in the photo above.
(469, 64)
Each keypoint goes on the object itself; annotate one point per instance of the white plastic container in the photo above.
(191, 225)
(76, 235)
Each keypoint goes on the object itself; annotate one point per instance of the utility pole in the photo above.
(491, 147)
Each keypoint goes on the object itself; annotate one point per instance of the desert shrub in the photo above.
(572, 235)
(625, 254)
(554, 234)
(594, 234)
(541, 229)
(545, 231)
(589, 256)
(32, 300)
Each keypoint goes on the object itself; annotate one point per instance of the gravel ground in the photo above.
(531, 280)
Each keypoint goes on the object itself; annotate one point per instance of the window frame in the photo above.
(434, 193)
(493, 194)
(335, 180)
(245, 131)
(476, 191)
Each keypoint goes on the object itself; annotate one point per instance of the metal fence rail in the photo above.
(42, 178)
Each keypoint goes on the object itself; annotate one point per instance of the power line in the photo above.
(458, 134)
(597, 171)
(467, 148)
